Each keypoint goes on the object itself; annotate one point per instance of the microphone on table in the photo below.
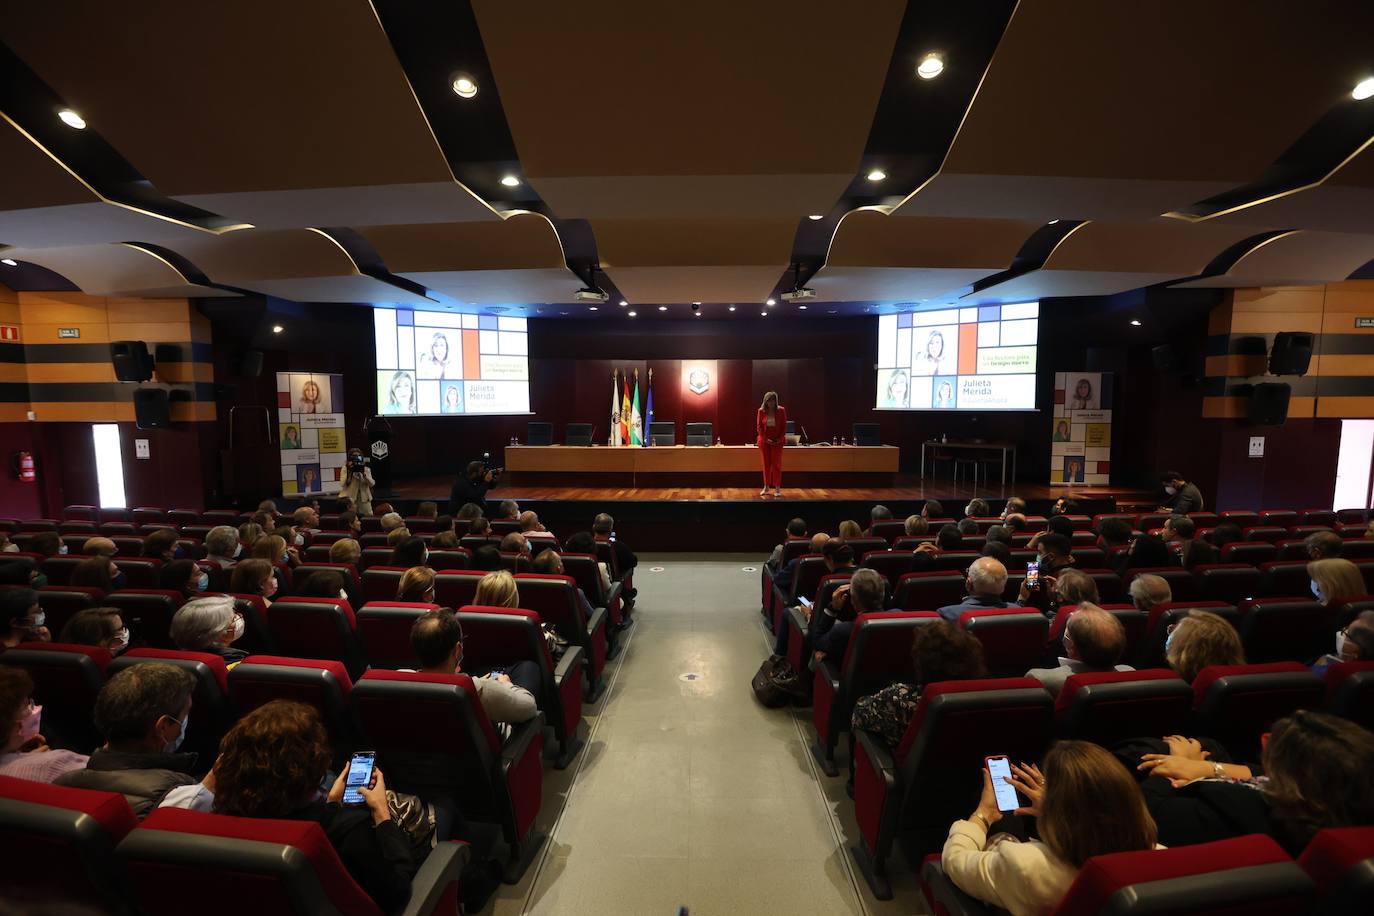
(805, 437)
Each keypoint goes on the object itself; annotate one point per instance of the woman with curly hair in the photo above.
(271, 764)
(1199, 640)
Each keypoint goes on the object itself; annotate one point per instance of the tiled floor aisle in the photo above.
(689, 792)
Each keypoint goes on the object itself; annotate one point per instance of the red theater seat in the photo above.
(322, 628)
(929, 591)
(1252, 553)
(210, 710)
(148, 613)
(1013, 638)
(890, 564)
(1163, 616)
(1237, 703)
(1286, 629)
(888, 529)
(380, 582)
(455, 558)
(61, 603)
(1350, 691)
(1229, 582)
(457, 587)
(384, 627)
(323, 684)
(66, 681)
(1244, 518)
(554, 599)
(587, 574)
(1341, 862)
(1106, 707)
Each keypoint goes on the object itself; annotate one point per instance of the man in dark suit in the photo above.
(471, 487)
(1183, 497)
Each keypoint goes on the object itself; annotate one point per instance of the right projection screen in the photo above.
(978, 357)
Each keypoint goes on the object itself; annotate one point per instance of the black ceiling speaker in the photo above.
(151, 408)
(1269, 403)
(1292, 353)
(132, 361)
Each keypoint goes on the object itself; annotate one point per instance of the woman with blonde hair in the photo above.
(272, 548)
(249, 534)
(417, 584)
(849, 530)
(916, 525)
(1031, 877)
(497, 589)
(1199, 640)
(1335, 580)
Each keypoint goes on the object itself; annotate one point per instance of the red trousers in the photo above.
(772, 465)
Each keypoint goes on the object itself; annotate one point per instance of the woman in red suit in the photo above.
(772, 427)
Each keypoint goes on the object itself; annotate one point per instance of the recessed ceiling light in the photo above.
(1052, 222)
(802, 307)
(771, 302)
(623, 303)
(831, 312)
(696, 303)
(876, 175)
(763, 314)
(72, 119)
(1363, 89)
(464, 86)
(511, 181)
(591, 308)
(816, 216)
(277, 329)
(663, 308)
(732, 308)
(1135, 322)
(9, 262)
(633, 313)
(931, 66)
(698, 314)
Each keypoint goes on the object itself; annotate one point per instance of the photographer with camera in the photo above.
(358, 482)
(473, 485)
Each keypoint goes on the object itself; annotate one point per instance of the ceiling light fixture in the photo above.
(591, 308)
(72, 119)
(633, 313)
(1135, 322)
(696, 303)
(623, 303)
(511, 181)
(876, 175)
(771, 302)
(931, 66)
(763, 314)
(802, 307)
(277, 329)
(663, 308)
(9, 262)
(1363, 89)
(732, 308)
(816, 216)
(1052, 222)
(464, 86)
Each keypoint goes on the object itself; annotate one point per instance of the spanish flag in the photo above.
(625, 415)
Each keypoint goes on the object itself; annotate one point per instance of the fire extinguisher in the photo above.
(24, 467)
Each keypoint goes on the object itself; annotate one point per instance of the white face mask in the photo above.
(343, 594)
(172, 747)
(1171, 490)
(62, 550)
(238, 549)
(37, 620)
(238, 629)
(299, 540)
(1340, 645)
(1317, 592)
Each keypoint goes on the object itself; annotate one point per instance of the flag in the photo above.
(625, 415)
(649, 411)
(615, 411)
(636, 421)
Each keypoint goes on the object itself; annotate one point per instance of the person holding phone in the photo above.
(1030, 877)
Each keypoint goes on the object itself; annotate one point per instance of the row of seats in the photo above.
(76, 519)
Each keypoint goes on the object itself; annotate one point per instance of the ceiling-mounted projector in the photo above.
(801, 292)
(591, 295)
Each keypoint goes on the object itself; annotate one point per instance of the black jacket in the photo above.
(377, 857)
(466, 490)
(1187, 499)
(143, 779)
(1209, 810)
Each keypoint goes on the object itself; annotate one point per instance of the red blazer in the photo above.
(779, 431)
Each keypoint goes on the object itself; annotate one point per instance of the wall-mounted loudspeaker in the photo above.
(132, 361)
(1269, 403)
(1292, 353)
(251, 367)
(151, 408)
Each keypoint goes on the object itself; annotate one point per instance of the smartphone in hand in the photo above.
(360, 767)
(999, 768)
(1033, 574)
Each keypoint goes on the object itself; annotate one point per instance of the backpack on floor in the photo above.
(776, 684)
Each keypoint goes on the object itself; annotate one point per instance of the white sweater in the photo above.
(1023, 878)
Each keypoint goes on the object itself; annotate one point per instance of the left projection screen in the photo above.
(444, 364)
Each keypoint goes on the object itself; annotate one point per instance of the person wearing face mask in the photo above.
(142, 711)
(184, 576)
(23, 752)
(95, 572)
(210, 625)
(161, 545)
(1182, 497)
(254, 577)
(508, 696)
(97, 626)
(21, 619)
(1335, 580)
(1354, 643)
(99, 547)
(222, 547)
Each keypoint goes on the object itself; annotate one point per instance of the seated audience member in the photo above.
(322, 583)
(1113, 532)
(1355, 643)
(161, 545)
(268, 506)
(24, 754)
(97, 626)
(986, 581)
(1200, 553)
(443, 523)
(382, 510)
(878, 513)
(967, 527)
(267, 521)
(273, 549)
(1226, 533)
(445, 540)
(486, 558)
(1016, 522)
(550, 563)
(1318, 773)
(397, 535)
(1199, 640)
(344, 504)
(249, 534)
(839, 557)
(603, 529)
(254, 577)
(949, 537)
(1148, 590)
(1093, 641)
(1148, 551)
(427, 509)
(142, 713)
(1074, 587)
(506, 697)
(345, 550)
(515, 543)
(480, 528)
(99, 547)
(410, 552)
(1064, 506)
(1032, 877)
(350, 523)
(306, 521)
(1000, 533)
(998, 551)
(979, 508)
(48, 544)
(222, 547)
(865, 593)
(531, 527)
(468, 511)
(497, 589)
(183, 576)
(8, 546)
(285, 784)
(916, 525)
(1015, 505)
(783, 580)
(939, 652)
(1178, 533)
(1182, 497)
(1369, 531)
(417, 584)
(849, 530)
(209, 625)
(509, 509)
(584, 542)
(1055, 555)
(391, 521)
(95, 572)
(796, 531)
(1335, 580)
(932, 508)
(1323, 545)
(1060, 525)
(21, 619)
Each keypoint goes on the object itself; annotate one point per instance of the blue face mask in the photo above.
(1317, 591)
(1168, 643)
(203, 582)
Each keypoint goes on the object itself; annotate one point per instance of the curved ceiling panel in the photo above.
(115, 270)
(521, 242)
(1344, 202)
(696, 284)
(1297, 259)
(687, 242)
(891, 284)
(1165, 247)
(499, 287)
(217, 100)
(868, 238)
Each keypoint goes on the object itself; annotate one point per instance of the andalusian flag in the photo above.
(649, 411)
(625, 415)
(615, 412)
(636, 421)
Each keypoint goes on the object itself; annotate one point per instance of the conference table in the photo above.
(700, 465)
(1003, 447)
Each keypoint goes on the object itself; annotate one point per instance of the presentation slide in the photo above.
(439, 363)
(971, 358)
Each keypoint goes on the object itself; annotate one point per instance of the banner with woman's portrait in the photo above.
(1081, 433)
(310, 430)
